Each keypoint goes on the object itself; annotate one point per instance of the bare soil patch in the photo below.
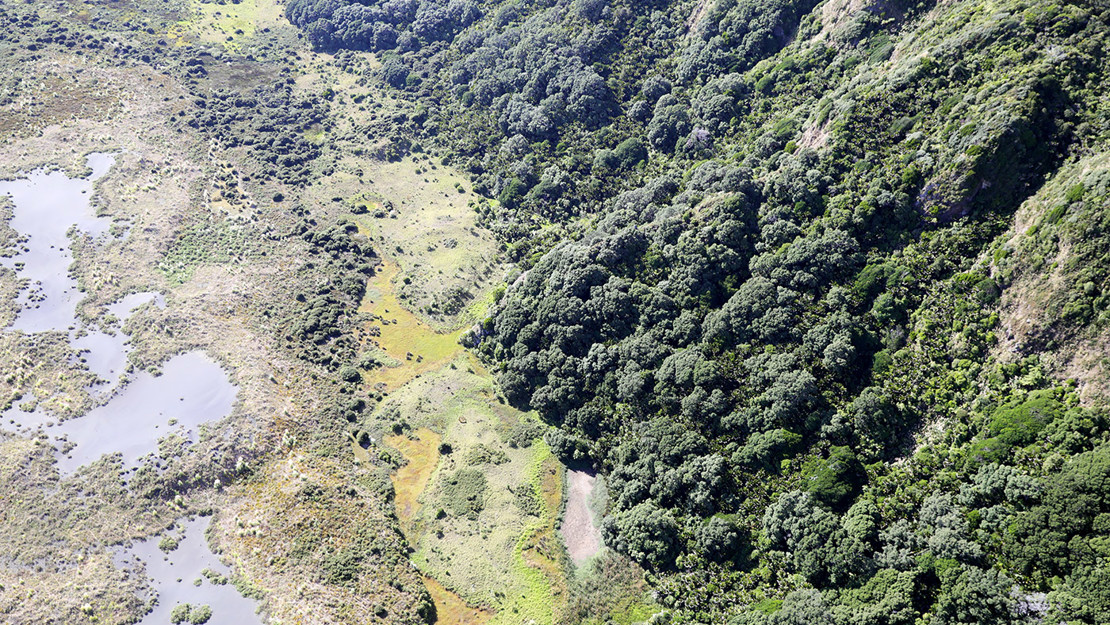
(579, 530)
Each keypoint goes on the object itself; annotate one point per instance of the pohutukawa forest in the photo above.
(555, 312)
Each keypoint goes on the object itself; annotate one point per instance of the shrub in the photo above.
(836, 479)
(200, 615)
(464, 493)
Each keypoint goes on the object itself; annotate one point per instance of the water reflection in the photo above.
(191, 390)
(47, 206)
(49, 209)
(174, 575)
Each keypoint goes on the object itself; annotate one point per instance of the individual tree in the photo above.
(647, 534)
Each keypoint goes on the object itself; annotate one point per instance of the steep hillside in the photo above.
(820, 287)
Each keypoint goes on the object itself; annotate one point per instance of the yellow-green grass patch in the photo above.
(450, 608)
(538, 554)
(419, 347)
(425, 224)
(507, 557)
(227, 24)
(421, 454)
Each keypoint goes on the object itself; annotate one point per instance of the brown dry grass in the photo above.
(299, 511)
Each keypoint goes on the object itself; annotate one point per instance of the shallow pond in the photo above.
(47, 206)
(174, 575)
(106, 354)
(137, 410)
(191, 390)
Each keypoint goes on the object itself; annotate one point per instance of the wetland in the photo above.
(230, 390)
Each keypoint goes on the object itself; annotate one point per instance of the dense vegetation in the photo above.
(773, 317)
(803, 280)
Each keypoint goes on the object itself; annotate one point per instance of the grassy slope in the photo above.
(416, 210)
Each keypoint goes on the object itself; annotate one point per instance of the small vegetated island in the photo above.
(757, 312)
